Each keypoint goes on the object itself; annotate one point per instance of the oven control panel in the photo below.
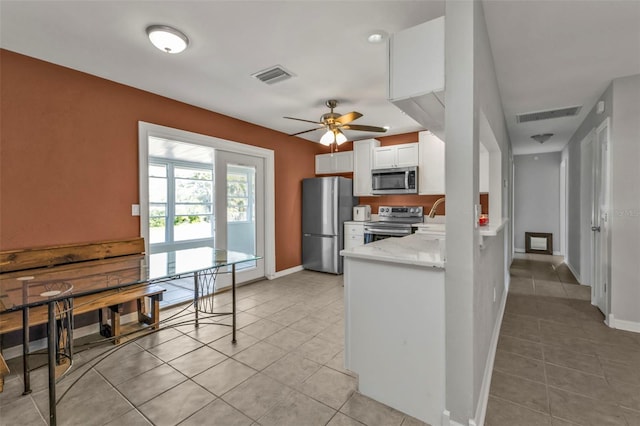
(400, 212)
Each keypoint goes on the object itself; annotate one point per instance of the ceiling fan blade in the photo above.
(364, 128)
(306, 121)
(349, 117)
(305, 131)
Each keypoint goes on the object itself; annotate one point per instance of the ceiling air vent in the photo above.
(272, 75)
(545, 115)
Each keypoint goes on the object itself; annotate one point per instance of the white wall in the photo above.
(622, 105)
(537, 199)
(625, 204)
(471, 313)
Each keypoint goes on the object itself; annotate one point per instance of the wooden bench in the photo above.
(68, 261)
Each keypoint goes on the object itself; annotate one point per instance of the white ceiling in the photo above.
(548, 54)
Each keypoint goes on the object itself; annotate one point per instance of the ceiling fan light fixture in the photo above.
(167, 39)
(340, 137)
(542, 137)
(328, 138)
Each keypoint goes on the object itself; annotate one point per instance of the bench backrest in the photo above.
(19, 260)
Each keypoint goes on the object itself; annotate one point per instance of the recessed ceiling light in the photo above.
(377, 37)
(167, 39)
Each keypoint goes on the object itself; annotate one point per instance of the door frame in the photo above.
(146, 130)
(586, 208)
(601, 259)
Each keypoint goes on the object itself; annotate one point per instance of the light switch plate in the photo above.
(135, 209)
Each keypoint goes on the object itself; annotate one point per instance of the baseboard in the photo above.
(286, 272)
(446, 419)
(557, 253)
(36, 345)
(575, 274)
(519, 250)
(625, 325)
(483, 398)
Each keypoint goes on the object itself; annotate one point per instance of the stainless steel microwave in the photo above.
(400, 180)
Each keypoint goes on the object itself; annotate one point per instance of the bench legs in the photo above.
(152, 317)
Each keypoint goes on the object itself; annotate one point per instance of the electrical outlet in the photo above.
(135, 209)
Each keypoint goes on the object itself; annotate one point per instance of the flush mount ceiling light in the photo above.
(333, 136)
(167, 39)
(376, 37)
(542, 137)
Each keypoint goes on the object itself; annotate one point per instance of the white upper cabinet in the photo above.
(431, 175)
(362, 165)
(338, 162)
(387, 157)
(484, 170)
(416, 73)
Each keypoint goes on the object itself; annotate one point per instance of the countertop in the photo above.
(416, 249)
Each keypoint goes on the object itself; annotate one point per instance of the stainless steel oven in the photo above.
(392, 222)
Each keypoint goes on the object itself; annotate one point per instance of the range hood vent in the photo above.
(545, 115)
(273, 75)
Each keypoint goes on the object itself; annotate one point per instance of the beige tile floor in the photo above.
(286, 369)
(557, 363)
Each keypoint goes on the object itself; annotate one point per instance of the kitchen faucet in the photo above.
(432, 212)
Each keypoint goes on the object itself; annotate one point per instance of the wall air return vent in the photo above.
(273, 75)
(545, 115)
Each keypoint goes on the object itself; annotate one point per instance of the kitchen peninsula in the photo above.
(394, 322)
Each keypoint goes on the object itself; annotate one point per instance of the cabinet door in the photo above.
(431, 167)
(416, 60)
(343, 162)
(384, 157)
(324, 164)
(484, 170)
(362, 165)
(407, 155)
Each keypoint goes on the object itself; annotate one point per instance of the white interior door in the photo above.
(600, 219)
(239, 209)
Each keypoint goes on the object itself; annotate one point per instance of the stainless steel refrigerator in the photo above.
(327, 202)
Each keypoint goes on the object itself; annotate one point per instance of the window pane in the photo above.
(157, 170)
(193, 191)
(237, 209)
(237, 185)
(157, 230)
(199, 174)
(157, 190)
(190, 209)
(157, 210)
(192, 227)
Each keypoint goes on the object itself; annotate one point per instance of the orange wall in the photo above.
(69, 156)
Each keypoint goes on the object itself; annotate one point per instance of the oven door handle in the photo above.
(380, 231)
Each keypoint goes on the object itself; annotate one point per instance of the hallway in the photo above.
(557, 363)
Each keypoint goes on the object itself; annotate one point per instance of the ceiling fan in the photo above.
(335, 124)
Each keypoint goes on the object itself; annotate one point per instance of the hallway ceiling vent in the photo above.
(545, 115)
(273, 75)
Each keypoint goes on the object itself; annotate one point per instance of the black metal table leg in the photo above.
(52, 350)
(233, 302)
(25, 351)
(195, 295)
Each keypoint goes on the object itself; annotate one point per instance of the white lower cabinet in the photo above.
(353, 234)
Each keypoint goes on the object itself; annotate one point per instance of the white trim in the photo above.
(626, 325)
(285, 272)
(446, 419)
(148, 129)
(557, 253)
(519, 250)
(483, 398)
(36, 345)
